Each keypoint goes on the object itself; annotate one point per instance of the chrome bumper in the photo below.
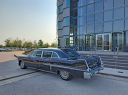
(89, 73)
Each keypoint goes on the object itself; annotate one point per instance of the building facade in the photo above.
(93, 24)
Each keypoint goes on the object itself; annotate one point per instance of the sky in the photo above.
(28, 19)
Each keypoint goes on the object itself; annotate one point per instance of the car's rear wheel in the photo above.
(65, 75)
(22, 65)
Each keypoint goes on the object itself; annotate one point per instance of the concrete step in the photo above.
(116, 67)
(115, 60)
(114, 57)
(117, 63)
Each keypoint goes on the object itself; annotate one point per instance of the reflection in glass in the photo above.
(99, 6)
(108, 4)
(108, 27)
(90, 9)
(118, 26)
(117, 39)
(99, 42)
(119, 13)
(118, 3)
(126, 12)
(90, 42)
(106, 42)
(126, 24)
(108, 15)
(98, 27)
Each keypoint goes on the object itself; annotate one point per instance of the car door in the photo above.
(45, 64)
(35, 58)
(55, 59)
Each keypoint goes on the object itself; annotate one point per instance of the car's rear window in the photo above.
(71, 53)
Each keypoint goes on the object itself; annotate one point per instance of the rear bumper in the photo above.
(91, 72)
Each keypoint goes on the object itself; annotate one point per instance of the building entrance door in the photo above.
(107, 41)
(118, 40)
(90, 42)
(99, 42)
(103, 41)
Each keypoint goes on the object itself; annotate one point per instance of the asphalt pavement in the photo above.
(42, 83)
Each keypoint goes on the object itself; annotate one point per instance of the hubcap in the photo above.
(64, 74)
(22, 64)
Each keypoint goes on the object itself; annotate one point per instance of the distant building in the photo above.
(93, 24)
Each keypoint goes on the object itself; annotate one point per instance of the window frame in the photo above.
(51, 54)
(43, 54)
(35, 55)
(56, 54)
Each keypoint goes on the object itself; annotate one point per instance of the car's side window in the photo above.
(55, 55)
(47, 54)
(37, 53)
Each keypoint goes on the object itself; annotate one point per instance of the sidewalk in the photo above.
(115, 72)
(7, 56)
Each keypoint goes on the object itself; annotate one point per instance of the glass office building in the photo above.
(96, 25)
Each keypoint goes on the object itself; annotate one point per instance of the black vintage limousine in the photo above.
(64, 62)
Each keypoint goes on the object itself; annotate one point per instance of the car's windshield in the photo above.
(71, 53)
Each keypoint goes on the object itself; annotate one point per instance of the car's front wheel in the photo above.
(22, 65)
(65, 75)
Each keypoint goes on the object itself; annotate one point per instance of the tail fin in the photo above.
(15, 55)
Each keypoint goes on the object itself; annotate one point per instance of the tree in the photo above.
(27, 44)
(54, 45)
(40, 44)
(46, 45)
(19, 43)
(35, 45)
(8, 42)
(1, 46)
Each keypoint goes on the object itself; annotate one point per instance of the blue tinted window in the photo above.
(98, 0)
(126, 2)
(126, 24)
(119, 13)
(81, 11)
(108, 4)
(126, 12)
(66, 21)
(90, 9)
(84, 10)
(98, 27)
(82, 30)
(90, 1)
(99, 17)
(118, 3)
(90, 18)
(90, 28)
(81, 2)
(118, 26)
(108, 27)
(108, 15)
(67, 3)
(99, 6)
(81, 21)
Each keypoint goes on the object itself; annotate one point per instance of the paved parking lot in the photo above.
(50, 84)
(42, 83)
